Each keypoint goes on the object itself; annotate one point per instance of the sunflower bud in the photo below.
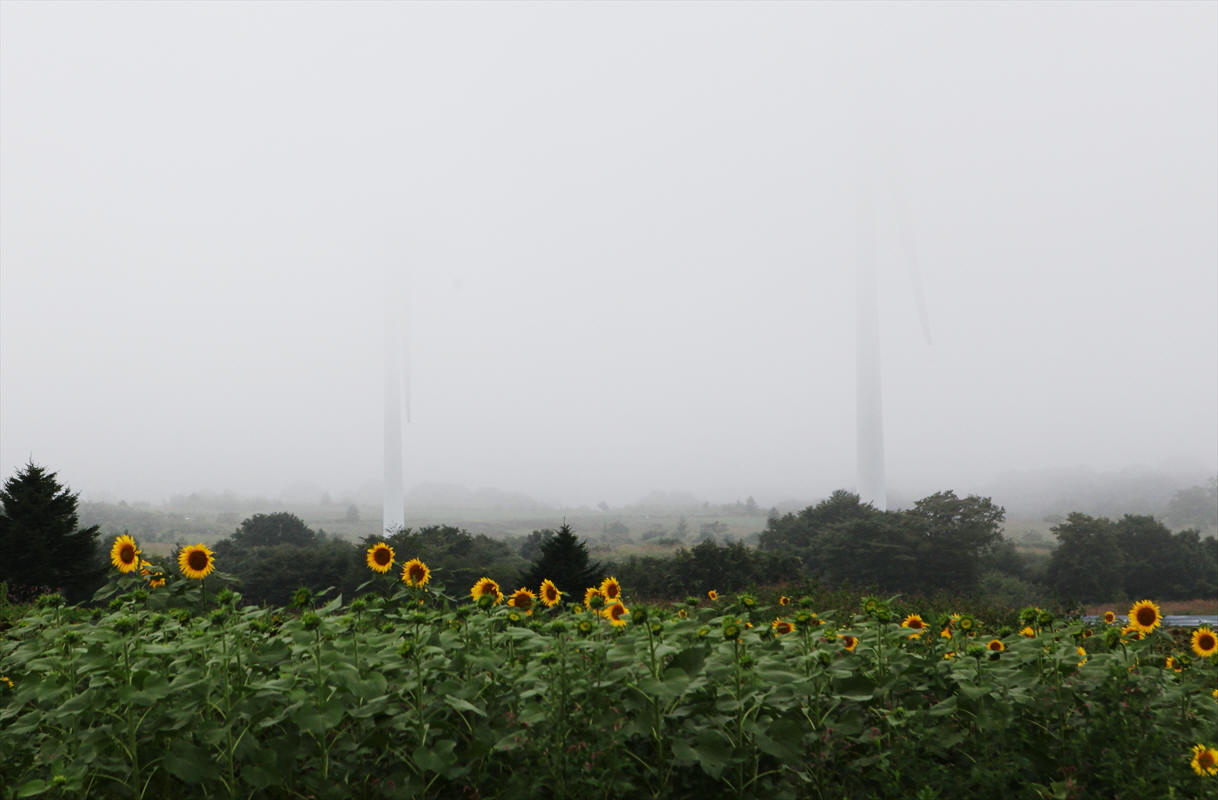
(301, 597)
(310, 620)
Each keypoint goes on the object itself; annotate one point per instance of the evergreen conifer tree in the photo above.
(40, 545)
(564, 560)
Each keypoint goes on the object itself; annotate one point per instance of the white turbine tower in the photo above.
(397, 385)
(869, 386)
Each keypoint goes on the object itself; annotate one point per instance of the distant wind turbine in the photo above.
(869, 389)
(396, 385)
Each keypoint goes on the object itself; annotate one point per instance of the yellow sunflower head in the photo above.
(124, 555)
(848, 642)
(913, 622)
(522, 600)
(611, 589)
(781, 627)
(196, 561)
(1205, 761)
(549, 594)
(156, 582)
(1204, 642)
(784, 601)
(1082, 655)
(1028, 632)
(616, 614)
(593, 598)
(1145, 616)
(415, 573)
(713, 595)
(379, 557)
(995, 646)
(485, 587)
(946, 633)
(1131, 632)
(1109, 617)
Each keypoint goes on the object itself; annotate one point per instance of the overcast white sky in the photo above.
(631, 230)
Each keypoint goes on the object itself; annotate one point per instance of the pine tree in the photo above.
(564, 560)
(40, 546)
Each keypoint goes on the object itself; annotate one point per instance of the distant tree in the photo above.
(40, 544)
(682, 529)
(352, 514)
(1195, 507)
(266, 530)
(1088, 563)
(952, 535)
(750, 506)
(530, 549)
(564, 560)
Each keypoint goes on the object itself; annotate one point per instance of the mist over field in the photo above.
(621, 240)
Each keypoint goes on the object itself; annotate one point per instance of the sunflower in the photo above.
(124, 554)
(1109, 617)
(549, 593)
(1204, 642)
(781, 627)
(784, 601)
(949, 655)
(1131, 632)
(196, 561)
(1172, 664)
(1145, 616)
(996, 646)
(1082, 655)
(593, 598)
(1028, 632)
(379, 557)
(682, 613)
(713, 595)
(913, 622)
(946, 633)
(522, 600)
(485, 587)
(611, 589)
(6, 680)
(156, 581)
(848, 642)
(415, 573)
(616, 614)
(1205, 760)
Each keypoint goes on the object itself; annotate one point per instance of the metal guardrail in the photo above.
(1171, 620)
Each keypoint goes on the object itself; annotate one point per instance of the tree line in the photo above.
(942, 544)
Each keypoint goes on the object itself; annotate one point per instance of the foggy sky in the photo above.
(629, 233)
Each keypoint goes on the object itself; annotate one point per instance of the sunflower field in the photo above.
(171, 685)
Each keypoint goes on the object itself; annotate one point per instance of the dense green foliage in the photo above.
(41, 548)
(404, 693)
(938, 545)
(706, 565)
(1097, 558)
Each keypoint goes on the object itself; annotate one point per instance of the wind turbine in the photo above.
(397, 385)
(869, 385)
